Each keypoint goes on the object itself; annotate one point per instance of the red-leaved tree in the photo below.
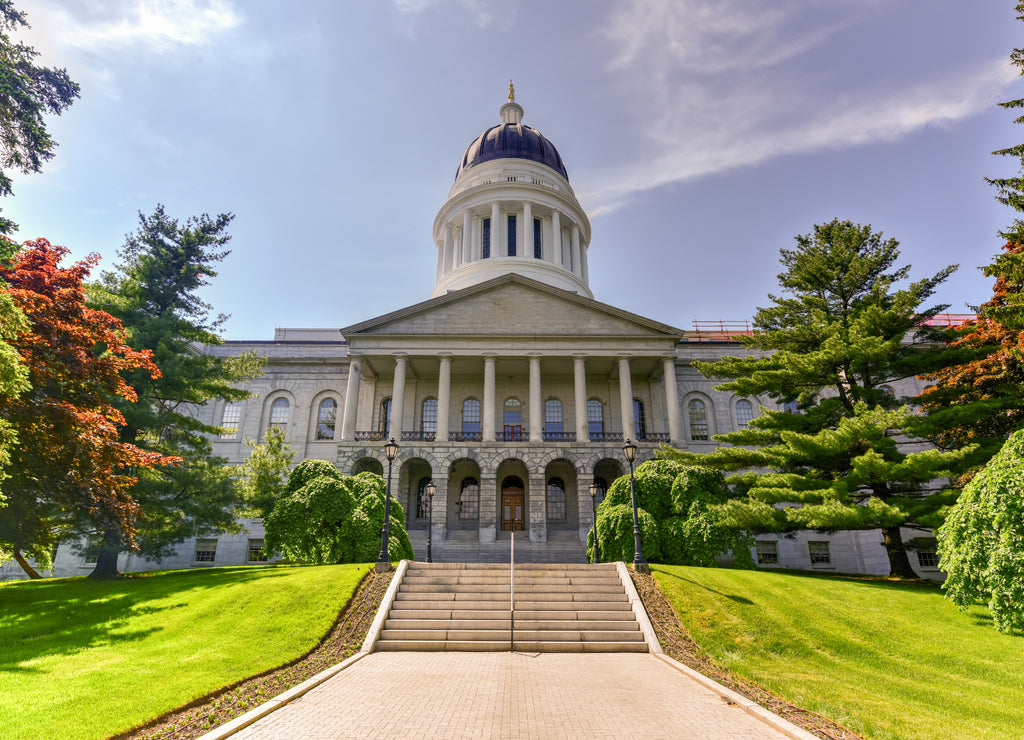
(69, 470)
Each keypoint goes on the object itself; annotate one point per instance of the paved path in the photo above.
(509, 695)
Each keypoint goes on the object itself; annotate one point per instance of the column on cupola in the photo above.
(527, 230)
(445, 260)
(348, 422)
(675, 429)
(398, 396)
(488, 431)
(536, 404)
(495, 230)
(576, 262)
(467, 238)
(579, 369)
(444, 395)
(626, 398)
(585, 272)
(556, 237)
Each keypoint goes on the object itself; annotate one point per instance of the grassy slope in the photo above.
(886, 659)
(84, 659)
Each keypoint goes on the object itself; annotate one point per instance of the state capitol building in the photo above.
(511, 387)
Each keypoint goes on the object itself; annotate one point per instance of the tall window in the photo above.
(422, 499)
(430, 416)
(639, 420)
(537, 250)
(511, 235)
(595, 417)
(553, 416)
(471, 417)
(384, 425)
(698, 421)
(279, 414)
(744, 414)
(469, 499)
(556, 500)
(513, 420)
(325, 418)
(485, 238)
(230, 419)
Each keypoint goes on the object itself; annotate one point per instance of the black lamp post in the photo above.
(430, 489)
(384, 559)
(639, 564)
(594, 489)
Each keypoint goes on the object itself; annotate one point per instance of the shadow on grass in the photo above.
(64, 616)
(731, 597)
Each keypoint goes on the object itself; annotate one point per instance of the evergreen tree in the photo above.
(154, 292)
(13, 373)
(831, 344)
(265, 472)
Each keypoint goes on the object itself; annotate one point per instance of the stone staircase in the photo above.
(465, 547)
(558, 608)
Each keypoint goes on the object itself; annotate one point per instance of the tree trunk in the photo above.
(32, 572)
(106, 560)
(899, 562)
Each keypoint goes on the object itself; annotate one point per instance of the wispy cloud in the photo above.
(720, 84)
(485, 13)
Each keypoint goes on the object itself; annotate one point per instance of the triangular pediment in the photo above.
(509, 306)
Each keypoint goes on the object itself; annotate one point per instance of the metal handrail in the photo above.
(512, 594)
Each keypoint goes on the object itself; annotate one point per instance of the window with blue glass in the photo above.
(537, 251)
(485, 238)
(639, 420)
(471, 416)
(595, 417)
(512, 235)
(553, 416)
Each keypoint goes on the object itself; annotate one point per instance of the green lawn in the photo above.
(886, 659)
(88, 659)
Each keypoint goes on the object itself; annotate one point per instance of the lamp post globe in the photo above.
(384, 559)
(639, 563)
(430, 490)
(594, 490)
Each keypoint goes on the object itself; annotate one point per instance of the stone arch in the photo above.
(367, 464)
(576, 461)
(463, 515)
(508, 468)
(563, 514)
(444, 465)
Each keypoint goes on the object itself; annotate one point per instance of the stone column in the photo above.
(537, 509)
(398, 397)
(527, 230)
(442, 250)
(576, 260)
(579, 368)
(467, 238)
(626, 399)
(348, 424)
(675, 429)
(489, 399)
(495, 233)
(536, 404)
(556, 237)
(488, 508)
(444, 392)
(585, 274)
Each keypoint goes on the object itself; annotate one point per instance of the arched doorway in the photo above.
(513, 504)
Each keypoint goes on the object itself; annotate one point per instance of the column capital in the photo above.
(492, 356)
(400, 355)
(444, 355)
(579, 356)
(534, 355)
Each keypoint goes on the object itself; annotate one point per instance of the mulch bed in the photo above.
(677, 644)
(344, 639)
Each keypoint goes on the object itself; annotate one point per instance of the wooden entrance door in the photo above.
(512, 510)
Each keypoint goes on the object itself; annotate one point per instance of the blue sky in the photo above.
(700, 135)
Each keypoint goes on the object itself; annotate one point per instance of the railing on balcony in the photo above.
(418, 436)
(606, 436)
(559, 436)
(465, 436)
(513, 435)
(371, 436)
(654, 437)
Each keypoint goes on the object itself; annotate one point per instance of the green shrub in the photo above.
(615, 533)
(653, 480)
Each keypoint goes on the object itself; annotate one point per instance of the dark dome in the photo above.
(515, 141)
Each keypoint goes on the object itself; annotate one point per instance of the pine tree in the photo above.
(829, 347)
(154, 292)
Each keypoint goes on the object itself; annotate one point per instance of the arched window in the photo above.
(230, 419)
(469, 499)
(639, 420)
(744, 414)
(470, 417)
(279, 414)
(325, 418)
(553, 416)
(422, 499)
(384, 424)
(887, 390)
(698, 421)
(429, 422)
(556, 500)
(595, 417)
(513, 420)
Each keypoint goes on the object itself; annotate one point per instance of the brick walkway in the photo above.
(505, 695)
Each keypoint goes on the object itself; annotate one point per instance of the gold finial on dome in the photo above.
(511, 92)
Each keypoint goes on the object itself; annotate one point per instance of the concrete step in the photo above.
(520, 588)
(526, 635)
(618, 615)
(578, 625)
(525, 646)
